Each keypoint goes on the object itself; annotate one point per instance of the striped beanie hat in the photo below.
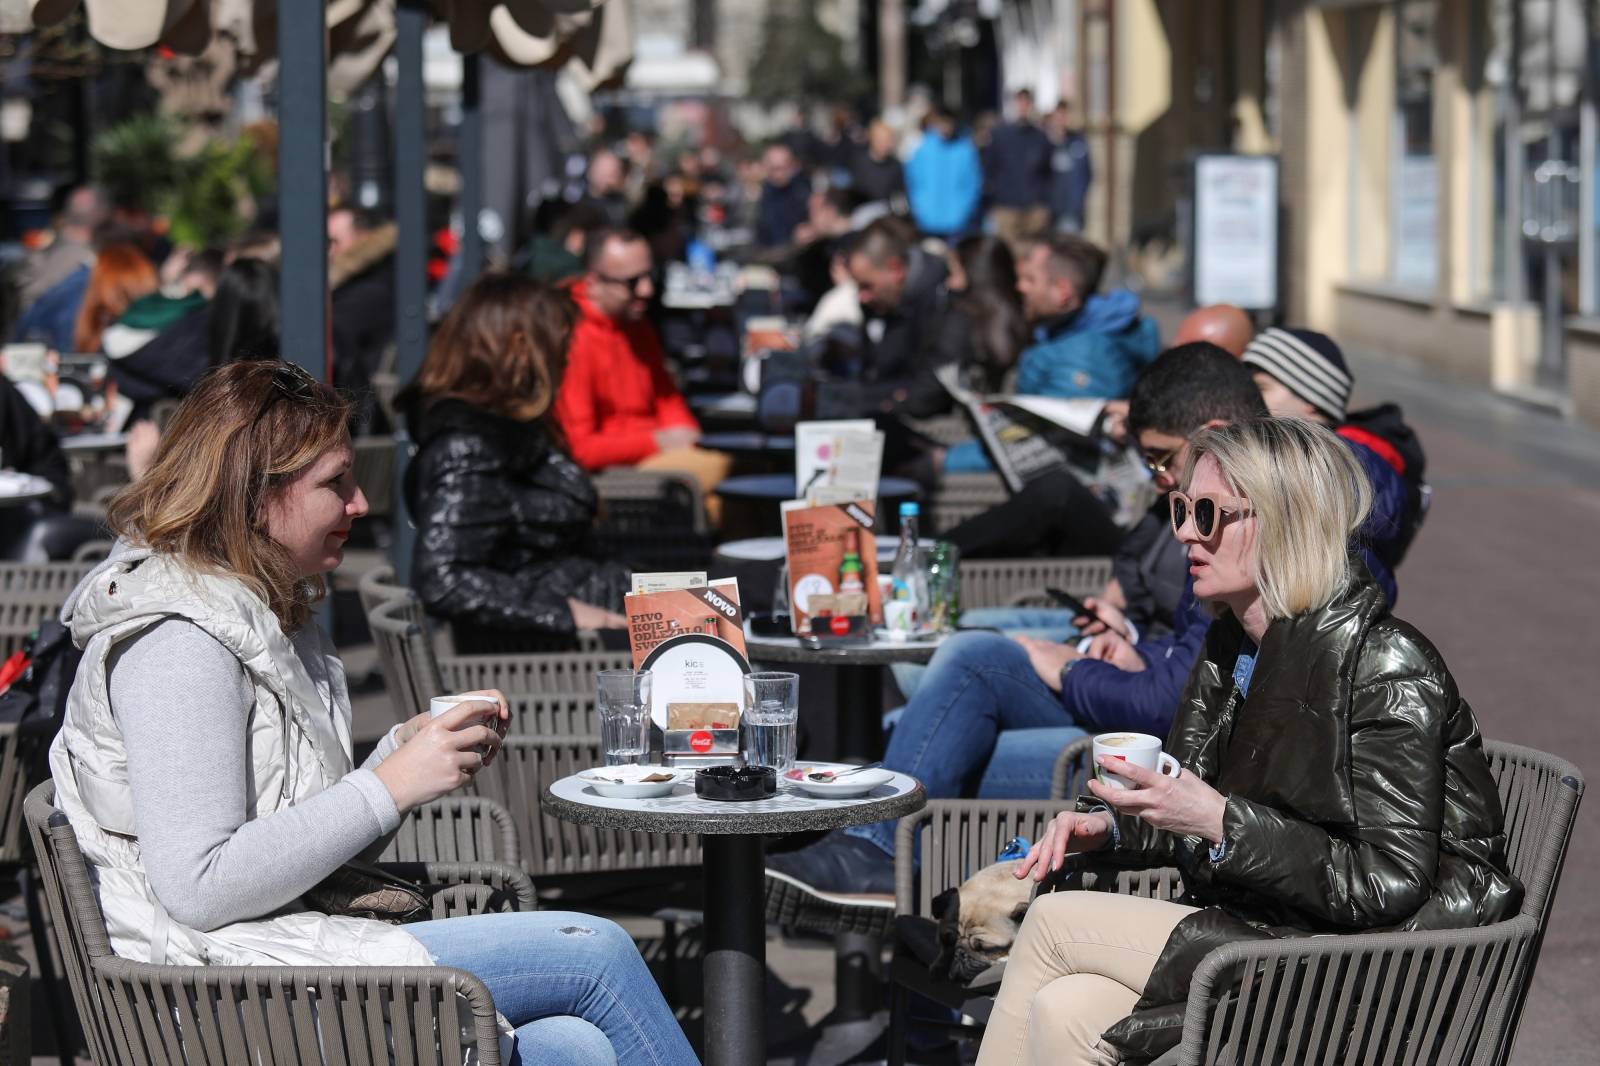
(1306, 363)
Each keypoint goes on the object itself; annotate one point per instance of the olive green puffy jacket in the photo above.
(1358, 797)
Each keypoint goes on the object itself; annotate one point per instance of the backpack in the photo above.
(37, 700)
(1384, 430)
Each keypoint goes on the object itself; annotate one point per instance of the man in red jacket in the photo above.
(617, 405)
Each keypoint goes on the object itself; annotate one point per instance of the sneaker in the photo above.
(840, 884)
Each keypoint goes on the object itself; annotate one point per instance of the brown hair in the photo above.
(502, 347)
(244, 434)
(120, 275)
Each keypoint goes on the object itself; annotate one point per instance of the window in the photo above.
(1415, 175)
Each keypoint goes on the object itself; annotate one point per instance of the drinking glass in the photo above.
(624, 704)
(944, 587)
(771, 715)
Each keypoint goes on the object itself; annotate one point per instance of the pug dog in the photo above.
(979, 921)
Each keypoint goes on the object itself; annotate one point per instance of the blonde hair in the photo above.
(1309, 496)
(243, 435)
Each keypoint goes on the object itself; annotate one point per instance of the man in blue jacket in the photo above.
(1085, 343)
(944, 179)
(982, 685)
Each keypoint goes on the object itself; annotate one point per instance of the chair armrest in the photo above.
(455, 829)
(233, 1014)
(1430, 991)
(469, 887)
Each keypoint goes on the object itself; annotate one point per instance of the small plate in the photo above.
(633, 790)
(842, 788)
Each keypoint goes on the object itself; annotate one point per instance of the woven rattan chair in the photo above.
(379, 586)
(30, 593)
(652, 520)
(416, 670)
(1441, 997)
(136, 1013)
(405, 651)
(1021, 582)
(456, 829)
(959, 497)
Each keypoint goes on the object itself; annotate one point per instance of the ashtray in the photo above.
(735, 782)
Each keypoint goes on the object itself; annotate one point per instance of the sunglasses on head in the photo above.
(290, 382)
(1207, 509)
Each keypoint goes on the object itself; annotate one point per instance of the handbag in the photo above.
(364, 890)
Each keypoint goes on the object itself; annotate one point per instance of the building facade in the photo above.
(1439, 172)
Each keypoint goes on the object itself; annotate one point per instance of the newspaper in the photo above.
(844, 457)
(1027, 437)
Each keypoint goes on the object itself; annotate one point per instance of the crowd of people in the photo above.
(1332, 777)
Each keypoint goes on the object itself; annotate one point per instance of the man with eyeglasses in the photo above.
(617, 404)
(993, 711)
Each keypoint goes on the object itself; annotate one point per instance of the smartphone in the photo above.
(1067, 599)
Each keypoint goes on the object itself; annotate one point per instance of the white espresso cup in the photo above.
(440, 704)
(1141, 749)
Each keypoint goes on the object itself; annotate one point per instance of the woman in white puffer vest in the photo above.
(205, 758)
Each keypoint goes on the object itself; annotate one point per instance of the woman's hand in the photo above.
(1048, 658)
(1103, 615)
(1184, 804)
(1067, 832)
(500, 721)
(1112, 648)
(588, 616)
(439, 757)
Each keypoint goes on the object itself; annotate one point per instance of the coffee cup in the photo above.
(441, 704)
(1141, 749)
(898, 615)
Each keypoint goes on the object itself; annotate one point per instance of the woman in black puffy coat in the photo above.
(503, 515)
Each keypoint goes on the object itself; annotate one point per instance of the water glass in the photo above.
(770, 720)
(624, 704)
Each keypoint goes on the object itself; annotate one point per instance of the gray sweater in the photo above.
(183, 704)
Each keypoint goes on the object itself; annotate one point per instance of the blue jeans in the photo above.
(1023, 765)
(1043, 623)
(977, 686)
(574, 986)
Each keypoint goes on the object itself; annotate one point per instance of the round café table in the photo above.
(858, 683)
(735, 969)
(761, 445)
(17, 489)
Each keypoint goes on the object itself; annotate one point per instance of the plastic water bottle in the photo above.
(908, 580)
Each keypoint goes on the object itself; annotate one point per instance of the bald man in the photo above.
(1224, 325)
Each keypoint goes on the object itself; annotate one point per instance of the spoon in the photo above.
(827, 776)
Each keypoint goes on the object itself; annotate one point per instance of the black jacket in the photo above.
(913, 340)
(503, 519)
(29, 446)
(168, 365)
(1358, 798)
(876, 180)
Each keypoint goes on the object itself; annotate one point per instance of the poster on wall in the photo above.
(1235, 251)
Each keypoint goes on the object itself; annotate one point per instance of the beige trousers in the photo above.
(1077, 968)
(707, 467)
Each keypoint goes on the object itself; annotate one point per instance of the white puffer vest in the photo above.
(299, 744)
